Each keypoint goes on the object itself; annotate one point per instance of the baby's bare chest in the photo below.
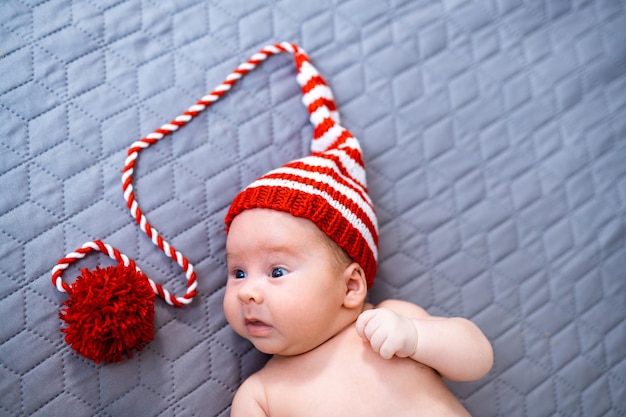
(345, 377)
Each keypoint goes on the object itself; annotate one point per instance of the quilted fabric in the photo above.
(493, 137)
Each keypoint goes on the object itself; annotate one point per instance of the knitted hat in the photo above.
(327, 187)
(110, 312)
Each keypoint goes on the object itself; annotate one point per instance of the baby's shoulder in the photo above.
(250, 398)
(404, 308)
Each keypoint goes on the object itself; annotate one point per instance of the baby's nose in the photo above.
(251, 291)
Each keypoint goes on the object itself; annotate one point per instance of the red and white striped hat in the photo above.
(328, 186)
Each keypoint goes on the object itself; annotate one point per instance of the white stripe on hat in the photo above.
(347, 192)
(356, 222)
(318, 92)
(327, 139)
(306, 72)
(353, 167)
(319, 115)
(350, 165)
(319, 161)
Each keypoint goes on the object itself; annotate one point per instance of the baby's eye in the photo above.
(278, 272)
(239, 274)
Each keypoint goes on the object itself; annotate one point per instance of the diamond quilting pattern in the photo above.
(493, 138)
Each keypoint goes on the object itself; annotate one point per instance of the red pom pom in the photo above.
(109, 313)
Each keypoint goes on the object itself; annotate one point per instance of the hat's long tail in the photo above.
(319, 101)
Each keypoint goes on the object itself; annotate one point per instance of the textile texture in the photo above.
(493, 138)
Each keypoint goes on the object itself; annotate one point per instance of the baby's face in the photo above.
(284, 291)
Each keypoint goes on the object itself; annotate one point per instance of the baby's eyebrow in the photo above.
(283, 249)
(231, 255)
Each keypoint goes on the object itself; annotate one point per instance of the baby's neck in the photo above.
(325, 348)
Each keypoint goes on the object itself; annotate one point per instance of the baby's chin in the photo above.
(282, 350)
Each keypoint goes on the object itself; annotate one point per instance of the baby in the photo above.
(301, 252)
(296, 295)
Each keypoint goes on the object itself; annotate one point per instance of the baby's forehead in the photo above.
(281, 225)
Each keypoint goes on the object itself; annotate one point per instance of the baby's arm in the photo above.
(454, 347)
(249, 400)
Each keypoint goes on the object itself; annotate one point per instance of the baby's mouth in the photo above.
(257, 327)
(255, 322)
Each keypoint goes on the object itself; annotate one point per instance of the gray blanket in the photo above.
(493, 135)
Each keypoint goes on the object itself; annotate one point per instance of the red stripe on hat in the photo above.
(316, 81)
(313, 82)
(302, 164)
(335, 195)
(353, 154)
(322, 102)
(300, 57)
(323, 127)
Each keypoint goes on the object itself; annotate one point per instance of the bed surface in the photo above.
(493, 135)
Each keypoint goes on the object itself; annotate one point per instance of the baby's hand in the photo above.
(387, 332)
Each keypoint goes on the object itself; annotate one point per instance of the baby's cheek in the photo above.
(231, 312)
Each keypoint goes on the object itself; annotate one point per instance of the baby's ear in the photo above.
(356, 286)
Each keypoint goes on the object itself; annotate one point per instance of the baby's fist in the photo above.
(388, 333)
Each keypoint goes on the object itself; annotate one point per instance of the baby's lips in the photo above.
(257, 327)
(255, 322)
